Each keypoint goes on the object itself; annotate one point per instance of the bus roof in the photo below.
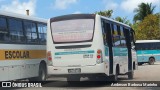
(63, 17)
(146, 41)
(113, 21)
(21, 16)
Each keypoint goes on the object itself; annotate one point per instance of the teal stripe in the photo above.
(74, 52)
(139, 52)
(120, 51)
(146, 54)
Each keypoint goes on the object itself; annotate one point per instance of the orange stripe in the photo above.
(22, 54)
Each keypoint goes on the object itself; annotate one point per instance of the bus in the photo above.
(22, 47)
(148, 51)
(89, 45)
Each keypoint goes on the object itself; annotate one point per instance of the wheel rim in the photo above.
(151, 61)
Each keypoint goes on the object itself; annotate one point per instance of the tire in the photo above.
(130, 75)
(115, 77)
(42, 73)
(151, 61)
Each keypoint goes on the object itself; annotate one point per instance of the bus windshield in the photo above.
(75, 30)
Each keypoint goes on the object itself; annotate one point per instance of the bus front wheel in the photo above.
(151, 61)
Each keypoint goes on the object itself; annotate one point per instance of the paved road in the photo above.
(144, 73)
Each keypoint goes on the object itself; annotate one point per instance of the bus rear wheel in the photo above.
(130, 75)
(151, 61)
(115, 77)
(42, 73)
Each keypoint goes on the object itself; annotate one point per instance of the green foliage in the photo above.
(123, 20)
(107, 13)
(142, 11)
(149, 28)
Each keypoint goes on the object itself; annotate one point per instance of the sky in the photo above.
(51, 8)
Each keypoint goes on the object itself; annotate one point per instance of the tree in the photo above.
(123, 20)
(149, 28)
(107, 13)
(142, 11)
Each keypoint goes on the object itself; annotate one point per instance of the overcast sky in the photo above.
(52, 8)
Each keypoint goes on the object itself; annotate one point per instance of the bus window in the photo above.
(118, 29)
(116, 37)
(132, 38)
(121, 31)
(115, 29)
(70, 31)
(3, 30)
(158, 45)
(42, 28)
(127, 37)
(31, 32)
(3, 24)
(104, 32)
(16, 30)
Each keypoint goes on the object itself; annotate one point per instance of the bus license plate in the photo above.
(74, 71)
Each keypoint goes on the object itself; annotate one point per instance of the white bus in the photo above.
(88, 45)
(22, 47)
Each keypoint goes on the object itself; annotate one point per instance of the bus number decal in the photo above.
(88, 56)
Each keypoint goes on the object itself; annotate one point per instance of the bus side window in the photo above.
(158, 45)
(103, 32)
(118, 29)
(108, 33)
(132, 38)
(4, 35)
(16, 30)
(127, 37)
(31, 32)
(42, 29)
(122, 37)
(116, 37)
(106, 26)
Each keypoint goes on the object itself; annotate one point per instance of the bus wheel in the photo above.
(42, 73)
(151, 61)
(130, 75)
(115, 77)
